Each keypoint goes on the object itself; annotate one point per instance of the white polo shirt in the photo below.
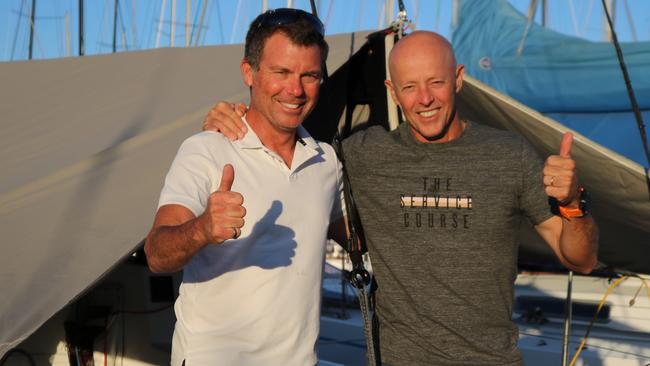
(255, 300)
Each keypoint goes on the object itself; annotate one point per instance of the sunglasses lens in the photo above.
(288, 16)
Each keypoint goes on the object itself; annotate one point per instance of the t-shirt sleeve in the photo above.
(189, 181)
(533, 199)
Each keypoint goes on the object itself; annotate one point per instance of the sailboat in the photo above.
(85, 147)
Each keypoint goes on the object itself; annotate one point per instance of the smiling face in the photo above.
(284, 89)
(425, 80)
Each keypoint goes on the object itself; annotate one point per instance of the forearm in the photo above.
(579, 243)
(170, 248)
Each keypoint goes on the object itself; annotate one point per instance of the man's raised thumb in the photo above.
(227, 177)
(565, 145)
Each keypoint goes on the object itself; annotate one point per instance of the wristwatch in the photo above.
(570, 213)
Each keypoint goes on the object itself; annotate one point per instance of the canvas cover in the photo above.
(572, 80)
(85, 145)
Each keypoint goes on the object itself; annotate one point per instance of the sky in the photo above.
(138, 27)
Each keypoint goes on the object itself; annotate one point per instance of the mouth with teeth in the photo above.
(292, 106)
(428, 114)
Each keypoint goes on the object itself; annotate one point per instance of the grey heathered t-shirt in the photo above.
(441, 222)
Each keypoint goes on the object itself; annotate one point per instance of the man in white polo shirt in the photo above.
(251, 276)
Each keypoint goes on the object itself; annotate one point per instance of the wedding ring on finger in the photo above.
(552, 180)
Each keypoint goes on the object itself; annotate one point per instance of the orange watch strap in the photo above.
(570, 213)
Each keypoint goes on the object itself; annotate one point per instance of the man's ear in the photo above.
(460, 72)
(246, 72)
(391, 89)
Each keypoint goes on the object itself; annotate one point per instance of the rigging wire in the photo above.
(630, 20)
(215, 6)
(134, 26)
(630, 92)
(102, 27)
(235, 23)
(148, 20)
(160, 23)
(57, 28)
(122, 26)
(585, 25)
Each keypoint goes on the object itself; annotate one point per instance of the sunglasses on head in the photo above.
(287, 16)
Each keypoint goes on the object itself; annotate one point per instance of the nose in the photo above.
(295, 87)
(425, 96)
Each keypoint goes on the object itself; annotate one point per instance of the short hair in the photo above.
(299, 26)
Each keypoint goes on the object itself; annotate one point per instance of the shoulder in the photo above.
(491, 134)
(203, 142)
(499, 141)
(205, 138)
(366, 139)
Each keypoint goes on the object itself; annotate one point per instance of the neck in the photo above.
(453, 130)
(280, 141)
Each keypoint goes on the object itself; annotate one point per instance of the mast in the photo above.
(173, 24)
(115, 25)
(390, 6)
(68, 49)
(188, 7)
(32, 19)
(454, 14)
(134, 26)
(607, 31)
(160, 22)
(81, 28)
(204, 5)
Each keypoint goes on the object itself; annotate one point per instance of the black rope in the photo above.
(630, 92)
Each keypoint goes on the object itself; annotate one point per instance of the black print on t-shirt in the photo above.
(437, 207)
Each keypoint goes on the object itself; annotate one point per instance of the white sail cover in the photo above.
(85, 145)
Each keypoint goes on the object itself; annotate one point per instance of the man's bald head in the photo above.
(423, 43)
(424, 82)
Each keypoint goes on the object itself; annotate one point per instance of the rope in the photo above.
(359, 276)
(367, 327)
(630, 92)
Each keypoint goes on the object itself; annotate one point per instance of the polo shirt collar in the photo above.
(252, 141)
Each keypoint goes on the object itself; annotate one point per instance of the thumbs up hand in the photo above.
(560, 179)
(224, 214)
